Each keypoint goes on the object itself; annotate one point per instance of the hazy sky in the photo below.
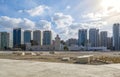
(63, 17)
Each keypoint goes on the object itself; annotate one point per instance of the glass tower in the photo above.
(27, 36)
(16, 37)
(47, 37)
(82, 37)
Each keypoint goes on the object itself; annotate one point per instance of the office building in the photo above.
(47, 37)
(0, 40)
(110, 43)
(27, 36)
(16, 37)
(103, 39)
(4, 40)
(37, 37)
(116, 36)
(94, 37)
(82, 37)
(71, 41)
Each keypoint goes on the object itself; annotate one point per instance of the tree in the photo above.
(66, 48)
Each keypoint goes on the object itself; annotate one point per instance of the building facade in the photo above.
(37, 36)
(27, 36)
(47, 37)
(116, 36)
(94, 37)
(57, 43)
(4, 40)
(103, 39)
(16, 37)
(110, 43)
(82, 37)
(71, 41)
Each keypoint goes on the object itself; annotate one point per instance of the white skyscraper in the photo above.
(103, 38)
(94, 37)
(37, 36)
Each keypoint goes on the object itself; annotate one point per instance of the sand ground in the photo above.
(23, 68)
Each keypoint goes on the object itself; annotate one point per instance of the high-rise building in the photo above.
(116, 36)
(103, 38)
(57, 43)
(0, 40)
(16, 37)
(71, 41)
(27, 36)
(4, 40)
(37, 37)
(47, 37)
(82, 37)
(110, 43)
(94, 37)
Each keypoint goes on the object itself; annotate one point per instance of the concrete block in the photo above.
(83, 59)
(66, 59)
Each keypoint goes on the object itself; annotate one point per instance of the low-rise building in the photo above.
(97, 48)
(29, 47)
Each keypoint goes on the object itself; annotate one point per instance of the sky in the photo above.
(63, 17)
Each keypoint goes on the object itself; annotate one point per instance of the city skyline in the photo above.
(65, 19)
(67, 38)
(93, 38)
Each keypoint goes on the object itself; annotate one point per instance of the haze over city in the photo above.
(64, 17)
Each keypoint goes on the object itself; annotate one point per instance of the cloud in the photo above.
(103, 16)
(9, 23)
(62, 20)
(105, 10)
(26, 24)
(95, 16)
(111, 5)
(43, 25)
(69, 29)
(37, 11)
(68, 7)
(66, 32)
(20, 11)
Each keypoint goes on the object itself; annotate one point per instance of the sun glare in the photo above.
(111, 4)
